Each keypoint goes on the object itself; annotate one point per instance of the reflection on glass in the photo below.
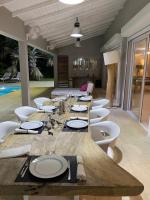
(138, 72)
(146, 98)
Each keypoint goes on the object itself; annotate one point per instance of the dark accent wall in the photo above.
(90, 48)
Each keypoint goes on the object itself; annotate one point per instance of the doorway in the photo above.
(63, 68)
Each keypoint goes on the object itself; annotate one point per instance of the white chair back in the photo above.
(7, 74)
(90, 87)
(23, 112)
(99, 115)
(7, 128)
(101, 103)
(110, 128)
(40, 101)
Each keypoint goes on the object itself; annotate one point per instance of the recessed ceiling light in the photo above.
(71, 2)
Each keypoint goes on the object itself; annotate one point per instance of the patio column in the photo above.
(24, 70)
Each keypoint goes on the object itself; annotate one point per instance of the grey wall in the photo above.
(90, 48)
(131, 8)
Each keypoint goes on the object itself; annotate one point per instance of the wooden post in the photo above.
(111, 72)
(24, 70)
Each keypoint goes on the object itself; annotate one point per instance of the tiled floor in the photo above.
(133, 152)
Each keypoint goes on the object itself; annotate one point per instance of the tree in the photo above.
(35, 73)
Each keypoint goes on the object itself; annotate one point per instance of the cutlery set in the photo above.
(25, 168)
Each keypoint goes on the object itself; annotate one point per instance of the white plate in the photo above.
(77, 124)
(59, 98)
(31, 125)
(48, 108)
(79, 108)
(86, 98)
(48, 166)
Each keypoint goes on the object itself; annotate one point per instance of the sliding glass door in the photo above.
(139, 89)
(145, 114)
(139, 49)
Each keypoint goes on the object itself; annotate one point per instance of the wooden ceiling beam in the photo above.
(61, 35)
(68, 29)
(23, 11)
(70, 17)
(63, 39)
(93, 20)
(3, 2)
(58, 45)
(63, 10)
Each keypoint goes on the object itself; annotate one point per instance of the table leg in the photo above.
(76, 197)
(25, 197)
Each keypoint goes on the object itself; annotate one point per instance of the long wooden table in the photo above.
(104, 176)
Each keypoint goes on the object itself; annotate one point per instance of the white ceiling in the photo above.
(56, 20)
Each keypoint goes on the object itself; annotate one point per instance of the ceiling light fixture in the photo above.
(76, 31)
(71, 2)
(78, 43)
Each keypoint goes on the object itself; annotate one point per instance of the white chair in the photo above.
(24, 112)
(73, 91)
(90, 87)
(105, 134)
(15, 152)
(40, 101)
(7, 128)
(99, 115)
(17, 78)
(6, 76)
(101, 103)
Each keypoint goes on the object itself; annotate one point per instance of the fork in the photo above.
(25, 168)
(69, 174)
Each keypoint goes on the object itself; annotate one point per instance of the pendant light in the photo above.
(71, 2)
(76, 33)
(78, 43)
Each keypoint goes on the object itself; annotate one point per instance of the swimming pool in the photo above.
(8, 89)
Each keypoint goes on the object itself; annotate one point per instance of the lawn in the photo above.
(9, 102)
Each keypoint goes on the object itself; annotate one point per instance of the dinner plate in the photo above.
(77, 124)
(79, 108)
(85, 98)
(59, 98)
(48, 166)
(31, 125)
(48, 108)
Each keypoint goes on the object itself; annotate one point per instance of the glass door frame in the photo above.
(131, 64)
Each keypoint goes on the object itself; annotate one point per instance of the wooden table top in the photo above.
(104, 176)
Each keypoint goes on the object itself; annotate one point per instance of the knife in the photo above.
(69, 174)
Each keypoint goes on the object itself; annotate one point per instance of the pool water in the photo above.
(8, 89)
